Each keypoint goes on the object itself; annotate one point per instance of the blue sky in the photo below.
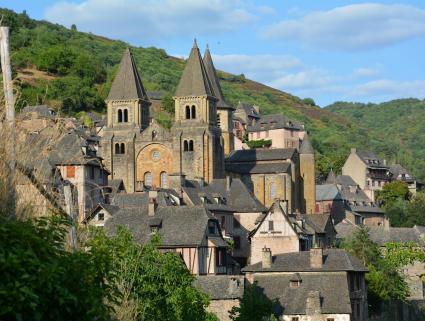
(329, 50)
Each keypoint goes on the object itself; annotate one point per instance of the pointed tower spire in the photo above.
(127, 83)
(331, 179)
(212, 75)
(194, 80)
(306, 147)
(195, 43)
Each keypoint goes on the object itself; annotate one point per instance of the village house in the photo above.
(342, 198)
(399, 173)
(286, 233)
(318, 285)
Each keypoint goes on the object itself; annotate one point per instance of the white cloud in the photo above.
(353, 27)
(150, 19)
(366, 72)
(390, 89)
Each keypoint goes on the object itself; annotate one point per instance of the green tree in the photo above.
(385, 283)
(253, 306)
(416, 210)
(393, 192)
(41, 280)
(154, 286)
(309, 101)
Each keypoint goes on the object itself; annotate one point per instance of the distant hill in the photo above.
(73, 71)
(396, 128)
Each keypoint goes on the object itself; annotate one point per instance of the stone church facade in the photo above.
(145, 155)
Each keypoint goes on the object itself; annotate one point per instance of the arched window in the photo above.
(191, 145)
(185, 146)
(125, 115)
(193, 115)
(122, 148)
(164, 179)
(187, 112)
(272, 191)
(117, 148)
(148, 179)
(119, 115)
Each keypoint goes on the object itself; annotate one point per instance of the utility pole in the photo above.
(10, 109)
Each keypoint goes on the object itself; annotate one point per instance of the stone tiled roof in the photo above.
(319, 222)
(382, 235)
(212, 76)
(180, 225)
(127, 83)
(370, 159)
(333, 260)
(327, 192)
(248, 109)
(221, 287)
(275, 121)
(258, 168)
(194, 80)
(252, 155)
(333, 289)
(41, 110)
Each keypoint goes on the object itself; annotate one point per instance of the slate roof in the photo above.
(327, 192)
(345, 180)
(238, 198)
(248, 109)
(318, 222)
(365, 209)
(180, 225)
(127, 83)
(333, 288)
(252, 155)
(41, 110)
(370, 159)
(333, 260)
(275, 121)
(212, 76)
(221, 287)
(382, 235)
(258, 168)
(306, 147)
(194, 80)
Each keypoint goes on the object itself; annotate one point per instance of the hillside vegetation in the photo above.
(72, 71)
(397, 129)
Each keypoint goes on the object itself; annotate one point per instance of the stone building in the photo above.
(342, 198)
(319, 285)
(399, 173)
(144, 154)
(282, 132)
(367, 170)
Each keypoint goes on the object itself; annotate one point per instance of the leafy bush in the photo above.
(259, 143)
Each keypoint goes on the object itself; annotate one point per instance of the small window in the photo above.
(294, 284)
(330, 319)
(164, 180)
(191, 145)
(185, 146)
(117, 148)
(119, 115)
(125, 116)
(295, 319)
(101, 217)
(70, 171)
(187, 112)
(148, 179)
(122, 148)
(193, 112)
(211, 228)
(154, 229)
(271, 226)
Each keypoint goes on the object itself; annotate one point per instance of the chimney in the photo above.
(353, 150)
(312, 306)
(316, 258)
(228, 183)
(267, 258)
(152, 202)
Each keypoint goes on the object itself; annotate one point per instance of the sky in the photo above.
(328, 50)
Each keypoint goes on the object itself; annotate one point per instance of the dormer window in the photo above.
(212, 229)
(101, 217)
(295, 284)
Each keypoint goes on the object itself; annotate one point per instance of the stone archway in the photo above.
(154, 159)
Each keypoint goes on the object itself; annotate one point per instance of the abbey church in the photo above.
(200, 145)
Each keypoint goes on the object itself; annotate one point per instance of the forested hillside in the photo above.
(398, 128)
(72, 71)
